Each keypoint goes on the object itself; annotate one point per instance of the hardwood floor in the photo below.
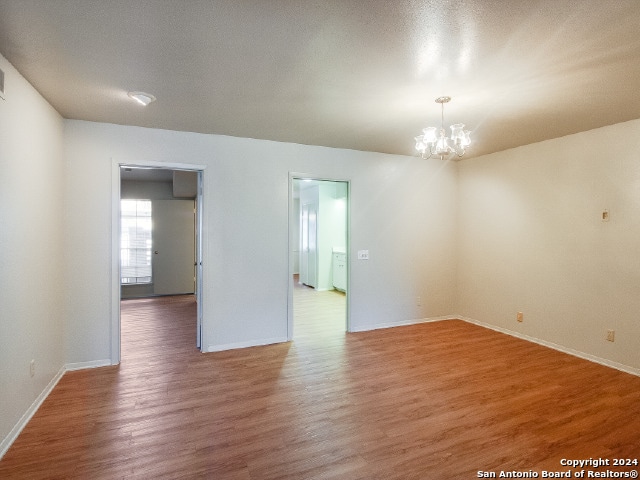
(432, 401)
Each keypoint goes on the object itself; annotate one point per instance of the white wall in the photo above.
(532, 240)
(32, 295)
(152, 190)
(402, 210)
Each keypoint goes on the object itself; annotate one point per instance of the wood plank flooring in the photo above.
(433, 401)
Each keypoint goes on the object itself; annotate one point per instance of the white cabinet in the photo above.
(340, 271)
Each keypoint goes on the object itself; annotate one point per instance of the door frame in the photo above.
(292, 218)
(115, 330)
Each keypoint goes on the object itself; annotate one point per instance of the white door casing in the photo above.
(115, 246)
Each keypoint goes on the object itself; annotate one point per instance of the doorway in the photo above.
(174, 254)
(318, 239)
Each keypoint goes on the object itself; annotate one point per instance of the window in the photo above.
(135, 242)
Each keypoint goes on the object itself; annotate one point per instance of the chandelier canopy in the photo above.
(429, 144)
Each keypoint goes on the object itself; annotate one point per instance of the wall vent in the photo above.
(1, 84)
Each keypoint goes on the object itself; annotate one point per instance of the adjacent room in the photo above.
(468, 305)
(159, 237)
(318, 232)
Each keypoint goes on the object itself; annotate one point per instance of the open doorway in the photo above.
(158, 253)
(319, 237)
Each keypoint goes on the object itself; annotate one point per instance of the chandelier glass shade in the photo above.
(434, 143)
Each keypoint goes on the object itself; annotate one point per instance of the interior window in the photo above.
(135, 242)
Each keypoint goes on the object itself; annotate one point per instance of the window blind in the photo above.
(135, 242)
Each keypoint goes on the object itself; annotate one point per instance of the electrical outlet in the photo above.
(520, 317)
(419, 301)
(32, 368)
(611, 335)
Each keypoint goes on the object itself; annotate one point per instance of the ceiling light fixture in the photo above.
(430, 145)
(142, 98)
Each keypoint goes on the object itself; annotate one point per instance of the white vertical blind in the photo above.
(135, 241)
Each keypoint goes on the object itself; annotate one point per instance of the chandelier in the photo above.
(429, 144)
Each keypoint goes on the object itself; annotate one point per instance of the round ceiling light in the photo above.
(142, 98)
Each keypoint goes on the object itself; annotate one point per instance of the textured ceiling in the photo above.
(351, 74)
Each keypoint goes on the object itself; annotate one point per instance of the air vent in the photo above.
(1, 84)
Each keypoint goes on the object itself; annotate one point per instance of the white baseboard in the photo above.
(403, 323)
(13, 434)
(253, 343)
(555, 346)
(15, 431)
(70, 367)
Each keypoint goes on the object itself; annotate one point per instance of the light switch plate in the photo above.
(363, 254)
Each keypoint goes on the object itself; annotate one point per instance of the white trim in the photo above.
(404, 323)
(555, 346)
(70, 367)
(24, 420)
(254, 343)
(114, 339)
(19, 426)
